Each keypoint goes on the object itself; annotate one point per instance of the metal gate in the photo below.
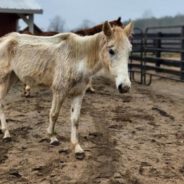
(158, 51)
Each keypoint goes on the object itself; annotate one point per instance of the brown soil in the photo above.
(135, 138)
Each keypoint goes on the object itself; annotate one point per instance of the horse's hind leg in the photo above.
(4, 87)
(27, 90)
(90, 87)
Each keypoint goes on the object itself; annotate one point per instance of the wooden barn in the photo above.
(13, 10)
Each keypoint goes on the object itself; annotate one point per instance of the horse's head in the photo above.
(119, 48)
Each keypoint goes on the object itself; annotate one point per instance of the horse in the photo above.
(64, 63)
(82, 32)
(98, 28)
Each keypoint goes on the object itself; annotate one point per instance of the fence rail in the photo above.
(158, 51)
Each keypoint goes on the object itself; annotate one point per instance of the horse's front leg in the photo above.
(57, 101)
(75, 113)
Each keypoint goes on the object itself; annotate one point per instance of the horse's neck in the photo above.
(90, 38)
(93, 49)
(98, 67)
(86, 51)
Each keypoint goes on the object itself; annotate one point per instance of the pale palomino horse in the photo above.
(64, 62)
(81, 32)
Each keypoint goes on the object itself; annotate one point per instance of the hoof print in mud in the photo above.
(15, 173)
(7, 139)
(44, 140)
(90, 91)
(79, 155)
(54, 143)
(64, 151)
(28, 96)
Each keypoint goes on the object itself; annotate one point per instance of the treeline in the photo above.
(58, 24)
(164, 21)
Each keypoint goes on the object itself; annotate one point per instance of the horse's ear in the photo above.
(129, 29)
(107, 29)
(119, 19)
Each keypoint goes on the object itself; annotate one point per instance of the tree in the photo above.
(86, 24)
(147, 14)
(57, 24)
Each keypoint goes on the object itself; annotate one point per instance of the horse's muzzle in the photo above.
(123, 89)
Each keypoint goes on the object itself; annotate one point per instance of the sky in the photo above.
(97, 11)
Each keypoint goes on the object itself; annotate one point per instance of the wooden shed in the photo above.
(13, 10)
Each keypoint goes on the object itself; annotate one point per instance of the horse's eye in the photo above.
(111, 52)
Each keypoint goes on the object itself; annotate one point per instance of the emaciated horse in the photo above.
(64, 63)
(82, 32)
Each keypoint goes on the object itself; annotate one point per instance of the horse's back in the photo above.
(34, 39)
(33, 62)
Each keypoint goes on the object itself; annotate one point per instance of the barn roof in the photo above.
(20, 6)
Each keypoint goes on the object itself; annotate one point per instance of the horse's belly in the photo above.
(34, 79)
(33, 75)
(33, 70)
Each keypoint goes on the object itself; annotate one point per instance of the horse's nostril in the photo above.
(123, 89)
(127, 88)
(120, 87)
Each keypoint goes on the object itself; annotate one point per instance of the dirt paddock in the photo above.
(135, 138)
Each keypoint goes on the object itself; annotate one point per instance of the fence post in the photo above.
(158, 45)
(182, 53)
(141, 55)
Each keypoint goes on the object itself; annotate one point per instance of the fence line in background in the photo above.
(158, 51)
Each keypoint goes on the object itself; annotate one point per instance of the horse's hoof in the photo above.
(7, 139)
(54, 142)
(27, 95)
(90, 90)
(80, 155)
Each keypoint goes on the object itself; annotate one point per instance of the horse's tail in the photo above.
(7, 49)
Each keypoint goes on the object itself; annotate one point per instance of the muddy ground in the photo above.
(135, 138)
